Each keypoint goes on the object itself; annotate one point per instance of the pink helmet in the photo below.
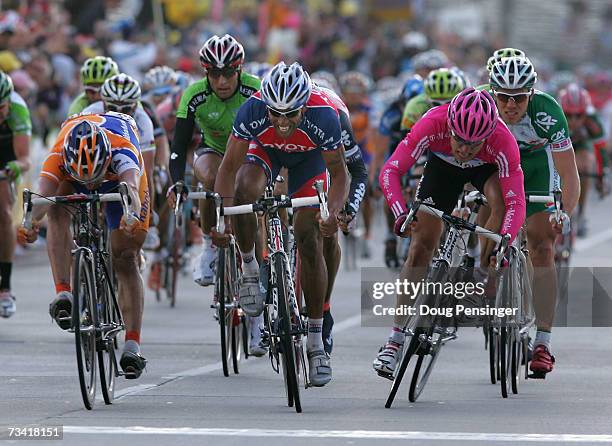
(574, 99)
(472, 115)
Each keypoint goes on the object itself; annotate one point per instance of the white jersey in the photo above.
(143, 122)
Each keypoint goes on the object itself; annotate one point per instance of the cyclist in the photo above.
(390, 134)
(121, 93)
(359, 179)
(466, 141)
(539, 126)
(159, 83)
(212, 103)
(355, 87)
(95, 152)
(424, 62)
(288, 124)
(589, 141)
(440, 86)
(94, 72)
(15, 131)
(501, 53)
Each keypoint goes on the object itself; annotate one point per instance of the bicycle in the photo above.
(232, 321)
(284, 326)
(96, 318)
(428, 334)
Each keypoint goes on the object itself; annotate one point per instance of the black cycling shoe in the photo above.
(328, 324)
(132, 364)
(60, 309)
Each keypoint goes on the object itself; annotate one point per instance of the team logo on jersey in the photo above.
(213, 115)
(545, 121)
(558, 136)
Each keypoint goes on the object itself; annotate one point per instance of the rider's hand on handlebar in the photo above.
(28, 235)
(397, 227)
(563, 226)
(221, 239)
(171, 194)
(329, 226)
(346, 221)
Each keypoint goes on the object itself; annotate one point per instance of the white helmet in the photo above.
(161, 79)
(513, 73)
(286, 87)
(220, 52)
(121, 88)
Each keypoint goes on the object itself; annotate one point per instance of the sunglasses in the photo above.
(91, 89)
(290, 114)
(125, 108)
(463, 142)
(518, 98)
(227, 73)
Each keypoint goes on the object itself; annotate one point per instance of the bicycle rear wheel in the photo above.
(84, 322)
(515, 367)
(107, 345)
(493, 352)
(286, 335)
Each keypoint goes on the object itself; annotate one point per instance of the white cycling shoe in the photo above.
(387, 358)
(204, 266)
(7, 304)
(319, 368)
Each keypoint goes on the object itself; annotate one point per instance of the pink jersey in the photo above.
(431, 133)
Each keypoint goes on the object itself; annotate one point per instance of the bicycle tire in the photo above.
(83, 305)
(106, 353)
(236, 339)
(246, 330)
(175, 265)
(220, 290)
(406, 355)
(505, 354)
(285, 334)
(492, 346)
(419, 381)
(515, 362)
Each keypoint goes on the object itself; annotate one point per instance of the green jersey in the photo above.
(18, 122)
(215, 116)
(414, 110)
(78, 104)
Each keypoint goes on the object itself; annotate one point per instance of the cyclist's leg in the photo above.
(205, 168)
(126, 246)
(251, 181)
(539, 176)
(332, 254)
(59, 241)
(440, 186)
(7, 250)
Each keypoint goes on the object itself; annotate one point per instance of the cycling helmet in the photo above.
(220, 52)
(355, 82)
(462, 75)
(414, 40)
(472, 115)
(442, 85)
(121, 88)
(412, 87)
(513, 73)
(183, 80)
(286, 87)
(97, 69)
(325, 79)
(575, 99)
(87, 152)
(259, 69)
(430, 59)
(6, 86)
(501, 53)
(159, 80)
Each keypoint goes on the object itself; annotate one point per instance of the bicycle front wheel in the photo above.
(286, 335)
(427, 352)
(84, 320)
(225, 324)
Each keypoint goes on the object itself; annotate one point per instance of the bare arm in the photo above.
(565, 163)
(47, 188)
(162, 153)
(232, 160)
(21, 146)
(338, 191)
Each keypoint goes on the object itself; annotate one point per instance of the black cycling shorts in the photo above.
(442, 182)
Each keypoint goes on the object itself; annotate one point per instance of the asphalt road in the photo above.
(183, 398)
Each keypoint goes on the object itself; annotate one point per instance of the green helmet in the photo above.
(96, 70)
(443, 84)
(6, 86)
(503, 52)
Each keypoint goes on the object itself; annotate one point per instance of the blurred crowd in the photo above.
(43, 43)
